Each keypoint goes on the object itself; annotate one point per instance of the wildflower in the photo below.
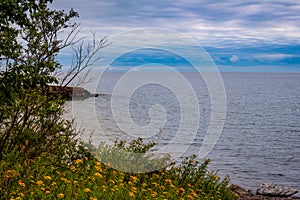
(47, 192)
(129, 183)
(21, 183)
(39, 182)
(165, 193)
(11, 173)
(181, 189)
(194, 194)
(64, 180)
(155, 184)
(78, 161)
(47, 177)
(134, 189)
(98, 163)
(87, 190)
(53, 184)
(154, 194)
(98, 168)
(93, 198)
(86, 158)
(21, 195)
(134, 178)
(131, 194)
(97, 174)
(73, 168)
(190, 197)
(168, 181)
(60, 195)
(144, 184)
(112, 181)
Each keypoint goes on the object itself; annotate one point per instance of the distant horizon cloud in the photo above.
(234, 58)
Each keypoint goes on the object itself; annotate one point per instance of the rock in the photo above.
(70, 93)
(240, 191)
(275, 190)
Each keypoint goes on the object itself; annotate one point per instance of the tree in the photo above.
(30, 116)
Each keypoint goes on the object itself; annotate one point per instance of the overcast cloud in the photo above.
(231, 24)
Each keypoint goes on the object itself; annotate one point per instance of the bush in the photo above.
(87, 178)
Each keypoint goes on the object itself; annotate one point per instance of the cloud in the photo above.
(250, 29)
(210, 22)
(274, 56)
(234, 58)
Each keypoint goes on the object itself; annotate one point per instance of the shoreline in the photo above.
(251, 195)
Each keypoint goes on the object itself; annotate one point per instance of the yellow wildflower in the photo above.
(73, 168)
(21, 183)
(190, 197)
(144, 184)
(11, 173)
(194, 194)
(87, 190)
(53, 184)
(60, 195)
(131, 194)
(64, 180)
(181, 189)
(47, 177)
(78, 161)
(155, 184)
(93, 198)
(21, 195)
(154, 194)
(40, 182)
(134, 189)
(129, 183)
(134, 178)
(47, 192)
(112, 181)
(97, 174)
(168, 181)
(98, 163)
(98, 168)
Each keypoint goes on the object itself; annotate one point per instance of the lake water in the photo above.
(260, 140)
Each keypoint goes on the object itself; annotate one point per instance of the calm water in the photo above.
(260, 141)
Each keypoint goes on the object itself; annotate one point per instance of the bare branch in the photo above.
(85, 55)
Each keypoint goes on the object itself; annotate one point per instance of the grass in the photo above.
(87, 178)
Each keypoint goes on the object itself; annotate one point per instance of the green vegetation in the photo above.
(86, 178)
(40, 157)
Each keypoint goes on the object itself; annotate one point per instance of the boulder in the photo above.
(275, 190)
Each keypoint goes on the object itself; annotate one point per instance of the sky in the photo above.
(239, 36)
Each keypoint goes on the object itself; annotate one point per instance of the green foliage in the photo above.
(134, 157)
(86, 178)
(30, 117)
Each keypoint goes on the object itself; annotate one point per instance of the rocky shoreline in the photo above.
(244, 194)
(69, 93)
